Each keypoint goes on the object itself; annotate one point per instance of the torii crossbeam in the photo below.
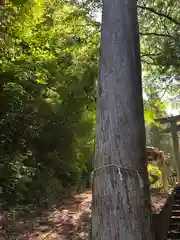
(174, 122)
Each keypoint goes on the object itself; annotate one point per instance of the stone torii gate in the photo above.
(174, 122)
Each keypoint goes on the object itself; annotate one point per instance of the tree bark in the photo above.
(121, 205)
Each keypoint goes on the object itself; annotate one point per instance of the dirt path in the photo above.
(70, 221)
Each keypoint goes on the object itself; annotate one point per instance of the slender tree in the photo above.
(121, 203)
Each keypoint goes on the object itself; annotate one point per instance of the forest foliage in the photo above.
(48, 72)
(49, 54)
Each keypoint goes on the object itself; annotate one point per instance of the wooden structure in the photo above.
(157, 156)
(174, 123)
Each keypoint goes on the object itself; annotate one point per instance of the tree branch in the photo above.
(166, 88)
(156, 34)
(159, 14)
(149, 54)
(144, 61)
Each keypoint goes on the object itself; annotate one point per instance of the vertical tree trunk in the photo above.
(121, 205)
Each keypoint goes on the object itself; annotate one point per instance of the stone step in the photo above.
(174, 234)
(174, 226)
(173, 238)
(176, 212)
(175, 219)
(176, 207)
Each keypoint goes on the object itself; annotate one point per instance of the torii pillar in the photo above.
(173, 129)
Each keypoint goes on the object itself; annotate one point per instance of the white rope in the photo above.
(120, 173)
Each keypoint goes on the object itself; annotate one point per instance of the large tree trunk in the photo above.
(121, 204)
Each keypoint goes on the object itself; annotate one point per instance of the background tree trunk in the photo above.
(121, 207)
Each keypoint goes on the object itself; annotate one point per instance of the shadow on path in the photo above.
(64, 222)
